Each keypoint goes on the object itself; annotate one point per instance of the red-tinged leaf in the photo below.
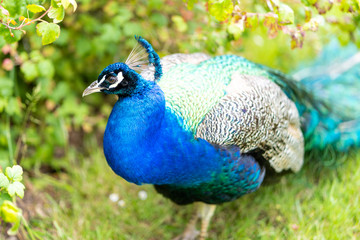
(323, 6)
(297, 37)
(311, 25)
(271, 23)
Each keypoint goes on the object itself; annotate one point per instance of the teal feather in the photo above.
(334, 80)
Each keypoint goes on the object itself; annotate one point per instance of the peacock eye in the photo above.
(111, 79)
(124, 83)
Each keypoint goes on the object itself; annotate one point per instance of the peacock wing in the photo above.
(256, 115)
(228, 100)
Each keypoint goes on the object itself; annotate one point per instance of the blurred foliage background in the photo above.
(45, 125)
(100, 33)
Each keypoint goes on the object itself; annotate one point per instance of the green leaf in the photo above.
(286, 14)
(159, 19)
(221, 9)
(12, 38)
(14, 173)
(15, 227)
(4, 181)
(57, 14)
(180, 24)
(16, 188)
(35, 8)
(67, 3)
(236, 29)
(48, 31)
(13, 7)
(46, 68)
(29, 70)
(190, 3)
(4, 196)
(130, 29)
(55, 3)
(13, 107)
(74, 4)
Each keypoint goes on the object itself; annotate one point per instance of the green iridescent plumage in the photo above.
(193, 89)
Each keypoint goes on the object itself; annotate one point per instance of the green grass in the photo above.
(309, 205)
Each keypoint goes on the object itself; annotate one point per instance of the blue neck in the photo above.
(144, 143)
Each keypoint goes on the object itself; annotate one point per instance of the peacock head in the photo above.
(122, 78)
(116, 78)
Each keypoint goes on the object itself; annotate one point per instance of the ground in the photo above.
(312, 204)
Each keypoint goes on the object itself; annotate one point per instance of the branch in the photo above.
(24, 23)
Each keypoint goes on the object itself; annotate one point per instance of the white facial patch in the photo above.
(120, 78)
(102, 80)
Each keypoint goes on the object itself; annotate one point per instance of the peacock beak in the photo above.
(94, 87)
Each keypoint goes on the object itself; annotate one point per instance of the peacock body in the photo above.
(204, 129)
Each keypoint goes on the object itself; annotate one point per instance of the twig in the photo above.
(24, 23)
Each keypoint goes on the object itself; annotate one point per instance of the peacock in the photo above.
(206, 130)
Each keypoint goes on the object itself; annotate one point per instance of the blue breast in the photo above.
(144, 143)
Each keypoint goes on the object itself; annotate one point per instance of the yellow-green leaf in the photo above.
(9, 212)
(16, 188)
(236, 29)
(221, 9)
(35, 8)
(67, 3)
(4, 181)
(74, 4)
(48, 31)
(251, 21)
(190, 3)
(180, 23)
(14, 173)
(286, 14)
(57, 14)
(30, 71)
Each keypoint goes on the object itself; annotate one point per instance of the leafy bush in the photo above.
(293, 18)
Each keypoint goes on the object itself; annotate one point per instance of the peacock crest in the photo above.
(143, 55)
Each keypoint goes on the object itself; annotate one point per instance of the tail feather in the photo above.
(334, 80)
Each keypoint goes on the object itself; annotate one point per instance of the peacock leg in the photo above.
(206, 212)
(190, 232)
